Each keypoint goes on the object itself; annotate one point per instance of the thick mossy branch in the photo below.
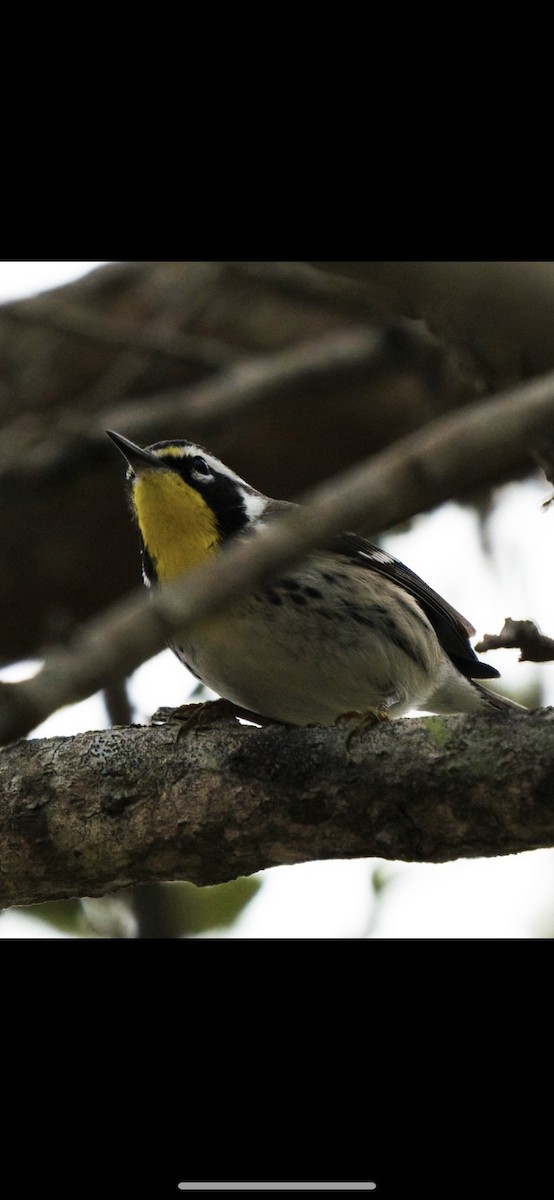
(103, 810)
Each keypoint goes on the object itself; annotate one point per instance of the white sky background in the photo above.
(511, 896)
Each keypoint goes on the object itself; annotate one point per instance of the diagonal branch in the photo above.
(101, 811)
(497, 313)
(73, 318)
(446, 458)
(338, 360)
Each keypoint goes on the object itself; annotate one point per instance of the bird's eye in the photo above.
(199, 468)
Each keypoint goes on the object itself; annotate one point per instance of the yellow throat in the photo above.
(178, 528)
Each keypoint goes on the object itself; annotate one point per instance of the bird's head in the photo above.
(185, 502)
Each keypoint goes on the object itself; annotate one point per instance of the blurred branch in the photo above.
(445, 458)
(242, 387)
(520, 635)
(497, 313)
(153, 909)
(300, 281)
(74, 319)
(101, 811)
(544, 457)
(253, 381)
(118, 706)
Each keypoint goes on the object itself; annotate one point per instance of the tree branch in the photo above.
(101, 811)
(336, 360)
(299, 280)
(69, 317)
(544, 457)
(342, 358)
(444, 459)
(497, 313)
(519, 635)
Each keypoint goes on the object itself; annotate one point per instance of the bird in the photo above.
(348, 630)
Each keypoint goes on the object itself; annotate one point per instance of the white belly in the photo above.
(305, 659)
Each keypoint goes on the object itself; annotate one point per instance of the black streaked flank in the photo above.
(451, 629)
(357, 616)
(399, 640)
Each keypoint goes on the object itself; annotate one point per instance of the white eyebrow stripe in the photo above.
(210, 459)
(254, 502)
(215, 464)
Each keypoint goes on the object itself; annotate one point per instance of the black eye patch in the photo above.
(199, 467)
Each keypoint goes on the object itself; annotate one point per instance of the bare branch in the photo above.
(343, 356)
(118, 705)
(444, 459)
(520, 635)
(301, 281)
(206, 406)
(497, 313)
(100, 811)
(70, 317)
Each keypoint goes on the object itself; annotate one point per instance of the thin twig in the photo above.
(520, 635)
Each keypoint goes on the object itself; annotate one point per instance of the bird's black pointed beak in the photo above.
(135, 455)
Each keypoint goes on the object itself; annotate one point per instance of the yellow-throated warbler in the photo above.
(349, 629)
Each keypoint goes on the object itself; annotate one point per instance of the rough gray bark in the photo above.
(97, 812)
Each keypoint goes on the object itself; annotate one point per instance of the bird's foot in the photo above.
(363, 721)
(193, 717)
